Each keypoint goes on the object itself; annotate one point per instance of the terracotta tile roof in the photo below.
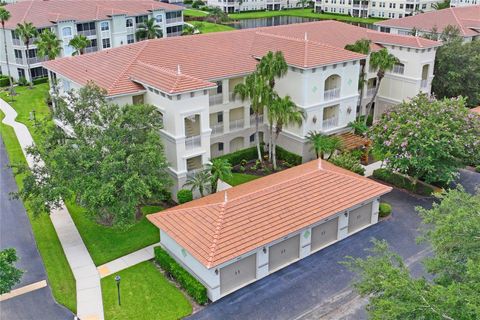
(258, 212)
(213, 56)
(466, 18)
(476, 110)
(352, 141)
(47, 13)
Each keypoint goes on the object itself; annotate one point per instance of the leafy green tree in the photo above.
(79, 42)
(48, 44)
(217, 15)
(4, 17)
(453, 229)
(27, 31)
(457, 71)
(199, 181)
(149, 30)
(441, 5)
(284, 113)
(220, 169)
(382, 61)
(323, 144)
(428, 139)
(361, 46)
(303, 3)
(9, 274)
(113, 161)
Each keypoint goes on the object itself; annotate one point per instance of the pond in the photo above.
(278, 21)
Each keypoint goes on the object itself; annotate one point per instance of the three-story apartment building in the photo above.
(107, 24)
(231, 6)
(463, 3)
(191, 81)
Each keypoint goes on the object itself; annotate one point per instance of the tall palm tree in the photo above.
(258, 92)
(323, 144)
(4, 16)
(79, 42)
(149, 30)
(48, 44)
(199, 182)
(382, 61)
(27, 31)
(360, 46)
(285, 112)
(219, 170)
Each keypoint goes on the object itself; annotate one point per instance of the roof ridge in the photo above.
(27, 11)
(456, 19)
(216, 235)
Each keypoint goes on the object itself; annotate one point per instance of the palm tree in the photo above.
(79, 42)
(27, 31)
(217, 15)
(304, 2)
(441, 5)
(149, 30)
(188, 30)
(360, 46)
(285, 112)
(219, 170)
(4, 16)
(48, 44)
(199, 182)
(323, 144)
(257, 90)
(382, 61)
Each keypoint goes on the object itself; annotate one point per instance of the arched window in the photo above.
(158, 18)
(332, 87)
(67, 32)
(399, 68)
(129, 23)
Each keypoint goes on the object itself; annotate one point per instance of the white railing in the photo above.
(237, 124)
(398, 69)
(370, 91)
(105, 34)
(252, 119)
(217, 129)
(173, 20)
(331, 94)
(130, 30)
(424, 83)
(91, 32)
(36, 59)
(17, 42)
(91, 49)
(19, 60)
(330, 123)
(174, 34)
(193, 142)
(215, 99)
(233, 97)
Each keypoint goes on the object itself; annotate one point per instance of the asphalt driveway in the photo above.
(318, 287)
(16, 232)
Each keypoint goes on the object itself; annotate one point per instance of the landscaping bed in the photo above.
(403, 182)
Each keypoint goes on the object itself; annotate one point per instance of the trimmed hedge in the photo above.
(288, 156)
(384, 209)
(4, 81)
(349, 161)
(191, 285)
(184, 195)
(401, 181)
(236, 157)
(40, 80)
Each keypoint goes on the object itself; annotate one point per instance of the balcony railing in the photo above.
(217, 129)
(173, 20)
(370, 91)
(91, 49)
(233, 97)
(216, 99)
(252, 119)
(330, 123)
(237, 124)
(130, 30)
(424, 83)
(331, 94)
(19, 60)
(398, 69)
(17, 42)
(91, 32)
(36, 59)
(193, 142)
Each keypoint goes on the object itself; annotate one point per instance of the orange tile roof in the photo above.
(47, 13)
(261, 211)
(466, 18)
(476, 110)
(213, 56)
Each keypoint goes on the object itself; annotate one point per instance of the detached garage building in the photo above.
(235, 237)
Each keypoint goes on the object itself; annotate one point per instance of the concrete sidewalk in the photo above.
(89, 292)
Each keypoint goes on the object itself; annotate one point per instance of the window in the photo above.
(401, 5)
(18, 54)
(174, 29)
(219, 87)
(39, 72)
(220, 146)
(173, 14)
(399, 68)
(252, 138)
(219, 117)
(15, 35)
(130, 38)
(67, 32)
(85, 26)
(158, 18)
(424, 6)
(92, 43)
(104, 26)
(106, 43)
(129, 23)
(21, 73)
(141, 19)
(66, 85)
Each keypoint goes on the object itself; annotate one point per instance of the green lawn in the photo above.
(239, 178)
(194, 13)
(145, 294)
(60, 277)
(306, 13)
(207, 27)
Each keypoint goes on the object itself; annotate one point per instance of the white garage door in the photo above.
(359, 218)
(283, 253)
(238, 273)
(324, 234)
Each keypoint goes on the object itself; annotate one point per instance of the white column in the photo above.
(225, 91)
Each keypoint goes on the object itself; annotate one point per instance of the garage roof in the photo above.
(227, 224)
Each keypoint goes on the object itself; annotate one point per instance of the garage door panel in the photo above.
(283, 253)
(324, 233)
(359, 218)
(238, 273)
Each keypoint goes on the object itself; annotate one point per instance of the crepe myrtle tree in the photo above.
(9, 274)
(112, 164)
(428, 139)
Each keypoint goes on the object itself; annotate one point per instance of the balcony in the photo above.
(130, 30)
(424, 83)
(91, 49)
(237, 124)
(87, 33)
(174, 20)
(330, 123)
(17, 42)
(399, 69)
(33, 60)
(19, 60)
(217, 129)
(331, 94)
(215, 99)
(193, 142)
(252, 119)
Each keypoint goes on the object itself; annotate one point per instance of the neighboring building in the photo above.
(462, 3)
(466, 19)
(191, 81)
(234, 237)
(231, 6)
(106, 23)
(379, 9)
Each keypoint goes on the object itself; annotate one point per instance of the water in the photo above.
(280, 20)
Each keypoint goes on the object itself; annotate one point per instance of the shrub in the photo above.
(242, 168)
(197, 4)
(40, 80)
(478, 168)
(184, 195)
(358, 126)
(190, 284)
(236, 157)
(384, 209)
(243, 162)
(22, 81)
(4, 81)
(401, 181)
(288, 156)
(348, 161)
(188, 1)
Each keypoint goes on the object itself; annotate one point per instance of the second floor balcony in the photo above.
(217, 129)
(193, 142)
(88, 33)
(174, 20)
(253, 119)
(331, 94)
(330, 123)
(238, 124)
(91, 49)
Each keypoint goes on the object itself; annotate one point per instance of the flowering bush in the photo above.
(428, 139)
